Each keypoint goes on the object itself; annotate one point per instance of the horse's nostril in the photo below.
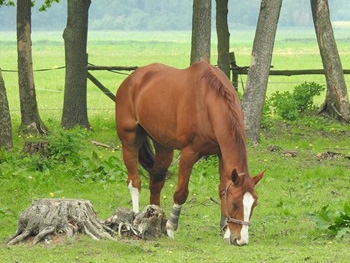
(233, 241)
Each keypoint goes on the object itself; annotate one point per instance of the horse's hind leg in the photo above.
(131, 141)
(163, 159)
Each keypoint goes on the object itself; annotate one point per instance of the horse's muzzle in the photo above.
(232, 240)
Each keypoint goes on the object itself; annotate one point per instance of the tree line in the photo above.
(166, 14)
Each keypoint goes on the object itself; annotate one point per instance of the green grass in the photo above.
(292, 190)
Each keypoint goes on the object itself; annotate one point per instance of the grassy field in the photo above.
(293, 190)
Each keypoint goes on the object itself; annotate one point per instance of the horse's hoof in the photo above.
(170, 229)
(170, 233)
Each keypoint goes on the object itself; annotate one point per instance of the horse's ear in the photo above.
(235, 177)
(258, 177)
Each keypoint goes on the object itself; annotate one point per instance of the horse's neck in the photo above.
(228, 128)
(230, 160)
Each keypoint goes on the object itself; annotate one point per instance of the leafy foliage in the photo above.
(289, 105)
(65, 144)
(7, 3)
(66, 149)
(337, 223)
(47, 4)
(102, 170)
(284, 105)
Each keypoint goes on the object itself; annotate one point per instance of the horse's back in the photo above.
(169, 103)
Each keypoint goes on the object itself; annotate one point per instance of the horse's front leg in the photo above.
(187, 159)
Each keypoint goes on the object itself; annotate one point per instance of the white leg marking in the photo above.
(248, 201)
(135, 196)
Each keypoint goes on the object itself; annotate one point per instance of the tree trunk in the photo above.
(337, 102)
(75, 42)
(223, 35)
(254, 94)
(201, 29)
(5, 118)
(30, 119)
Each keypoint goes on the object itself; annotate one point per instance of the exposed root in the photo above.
(47, 218)
(148, 224)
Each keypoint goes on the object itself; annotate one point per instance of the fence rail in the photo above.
(244, 71)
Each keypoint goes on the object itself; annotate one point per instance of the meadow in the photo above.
(296, 187)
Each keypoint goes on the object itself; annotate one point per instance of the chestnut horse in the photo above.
(196, 111)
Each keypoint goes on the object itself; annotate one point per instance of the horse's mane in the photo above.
(215, 83)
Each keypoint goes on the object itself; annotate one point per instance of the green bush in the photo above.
(102, 170)
(289, 105)
(337, 223)
(284, 105)
(304, 94)
(65, 145)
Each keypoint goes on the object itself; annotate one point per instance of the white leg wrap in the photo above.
(172, 223)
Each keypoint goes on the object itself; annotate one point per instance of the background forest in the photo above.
(166, 14)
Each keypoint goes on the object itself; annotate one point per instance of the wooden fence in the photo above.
(236, 71)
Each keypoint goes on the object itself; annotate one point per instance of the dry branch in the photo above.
(104, 145)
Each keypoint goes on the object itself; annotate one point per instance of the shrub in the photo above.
(337, 223)
(304, 94)
(289, 105)
(102, 170)
(65, 144)
(284, 105)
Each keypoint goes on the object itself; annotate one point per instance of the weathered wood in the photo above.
(148, 224)
(244, 71)
(36, 147)
(105, 145)
(91, 67)
(5, 118)
(101, 86)
(47, 219)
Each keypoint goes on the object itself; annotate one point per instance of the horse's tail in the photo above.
(146, 155)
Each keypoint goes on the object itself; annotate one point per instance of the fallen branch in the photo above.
(104, 145)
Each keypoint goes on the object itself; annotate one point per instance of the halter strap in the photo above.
(229, 219)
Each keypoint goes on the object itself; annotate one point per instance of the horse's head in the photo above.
(238, 199)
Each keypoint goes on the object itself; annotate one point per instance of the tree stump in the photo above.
(46, 219)
(149, 224)
(40, 147)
